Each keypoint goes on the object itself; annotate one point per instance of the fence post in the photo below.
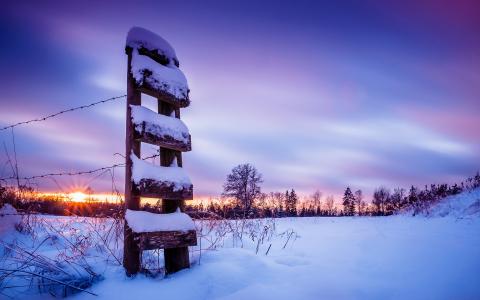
(176, 259)
(131, 251)
(155, 128)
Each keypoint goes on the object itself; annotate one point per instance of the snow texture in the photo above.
(175, 176)
(396, 258)
(464, 205)
(159, 125)
(142, 221)
(9, 218)
(138, 38)
(164, 78)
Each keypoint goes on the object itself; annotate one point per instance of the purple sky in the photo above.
(315, 95)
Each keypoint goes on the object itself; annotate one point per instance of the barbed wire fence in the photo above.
(62, 112)
(101, 170)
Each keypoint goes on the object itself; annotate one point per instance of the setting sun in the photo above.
(78, 196)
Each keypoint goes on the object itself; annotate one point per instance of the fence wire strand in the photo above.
(74, 173)
(48, 175)
(61, 112)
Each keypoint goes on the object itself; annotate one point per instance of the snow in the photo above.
(396, 257)
(464, 205)
(9, 218)
(165, 78)
(159, 125)
(333, 258)
(139, 37)
(142, 221)
(175, 176)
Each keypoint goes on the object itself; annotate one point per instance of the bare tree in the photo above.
(243, 185)
(358, 201)
(330, 205)
(317, 199)
(275, 201)
(381, 197)
(397, 198)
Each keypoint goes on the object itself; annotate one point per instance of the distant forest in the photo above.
(242, 198)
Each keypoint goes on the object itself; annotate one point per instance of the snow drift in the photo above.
(466, 204)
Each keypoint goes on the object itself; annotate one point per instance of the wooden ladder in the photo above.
(174, 243)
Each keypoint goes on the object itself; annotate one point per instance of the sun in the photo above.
(78, 197)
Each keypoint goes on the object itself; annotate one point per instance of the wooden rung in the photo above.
(161, 95)
(165, 239)
(167, 141)
(151, 188)
(158, 129)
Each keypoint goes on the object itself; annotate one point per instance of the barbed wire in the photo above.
(62, 112)
(68, 173)
(74, 173)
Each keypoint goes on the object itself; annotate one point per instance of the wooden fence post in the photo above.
(131, 251)
(146, 53)
(176, 259)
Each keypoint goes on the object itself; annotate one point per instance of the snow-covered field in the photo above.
(399, 257)
(333, 258)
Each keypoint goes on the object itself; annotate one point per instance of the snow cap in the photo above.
(142, 221)
(139, 38)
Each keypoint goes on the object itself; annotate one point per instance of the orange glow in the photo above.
(81, 197)
(78, 197)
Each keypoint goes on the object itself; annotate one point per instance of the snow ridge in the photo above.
(465, 204)
(142, 221)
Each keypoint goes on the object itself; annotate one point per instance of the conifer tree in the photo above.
(348, 203)
(293, 203)
(287, 203)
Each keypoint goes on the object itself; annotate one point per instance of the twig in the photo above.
(289, 236)
(51, 279)
(16, 162)
(268, 250)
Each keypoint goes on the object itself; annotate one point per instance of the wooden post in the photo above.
(176, 259)
(131, 251)
(175, 242)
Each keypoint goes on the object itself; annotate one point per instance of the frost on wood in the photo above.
(160, 79)
(142, 221)
(160, 182)
(145, 40)
(161, 130)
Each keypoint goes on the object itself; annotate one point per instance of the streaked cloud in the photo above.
(323, 96)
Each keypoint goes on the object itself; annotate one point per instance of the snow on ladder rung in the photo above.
(161, 231)
(153, 128)
(154, 66)
(167, 83)
(151, 44)
(160, 182)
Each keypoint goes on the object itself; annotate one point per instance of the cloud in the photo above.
(324, 96)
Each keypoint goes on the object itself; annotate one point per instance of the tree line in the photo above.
(242, 197)
(243, 188)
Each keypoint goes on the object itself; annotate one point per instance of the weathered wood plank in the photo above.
(158, 189)
(162, 95)
(146, 133)
(166, 239)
